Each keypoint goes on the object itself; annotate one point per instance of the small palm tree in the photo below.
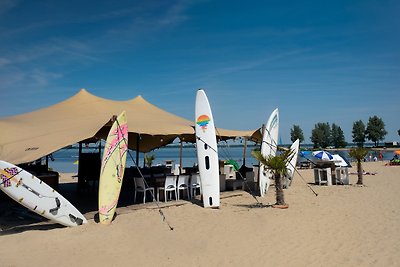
(148, 159)
(359, 154)
(277, 164)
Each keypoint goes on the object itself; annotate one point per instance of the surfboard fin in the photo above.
(77, 220)
(54, 210)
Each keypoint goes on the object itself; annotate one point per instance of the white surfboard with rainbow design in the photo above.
(207, 152)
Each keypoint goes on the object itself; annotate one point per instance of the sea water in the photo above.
(66, 160)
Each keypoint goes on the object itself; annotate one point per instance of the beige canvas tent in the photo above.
(30, 136)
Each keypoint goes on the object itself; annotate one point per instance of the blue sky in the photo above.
(317, 61)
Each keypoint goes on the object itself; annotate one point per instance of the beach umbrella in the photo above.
(322, 154)
(340, 161)
(233, 163)
(305, 153)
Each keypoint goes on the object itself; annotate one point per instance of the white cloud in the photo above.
(31, 79)
(42, 78)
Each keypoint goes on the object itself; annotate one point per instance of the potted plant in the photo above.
(277, 165)
(359, 153)
(148, 160)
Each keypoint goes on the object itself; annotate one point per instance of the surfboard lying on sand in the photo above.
(291, 165)
(112, 168)
(207, 153)
(36, 195)
(268, 148)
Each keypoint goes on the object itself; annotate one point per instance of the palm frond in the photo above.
(358, 153)
(277, 163)
(148, 159)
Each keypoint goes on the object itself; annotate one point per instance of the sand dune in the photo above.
(342, 226)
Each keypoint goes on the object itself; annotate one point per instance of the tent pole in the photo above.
(137, 149)
(244, 151)
(180, 156)
(80, 178)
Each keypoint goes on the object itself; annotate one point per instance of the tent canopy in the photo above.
(30, 136)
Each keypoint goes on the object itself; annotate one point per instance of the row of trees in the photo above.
(323, 135)
(374, 132)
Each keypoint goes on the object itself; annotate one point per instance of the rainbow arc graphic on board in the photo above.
(203, 121)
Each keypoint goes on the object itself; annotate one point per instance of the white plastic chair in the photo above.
(229, 171)
(140, 186)
(169, 186)
(183, 184)
(195, 184)
(323, 176)
(177, 169)
(342, 175)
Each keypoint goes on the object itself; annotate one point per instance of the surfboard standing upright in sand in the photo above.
(268, 148)
(112, 168)
(291, 165)
(36, 195)
(207, 153)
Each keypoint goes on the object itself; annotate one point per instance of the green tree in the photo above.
(359, 154)
(277, 164)
(296, 133)
(337, 135)
(321, 135)
(359, 133)
(375, 129)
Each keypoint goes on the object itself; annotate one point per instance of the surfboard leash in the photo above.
(316, 194)
(245, 180)
(252, 193)
(204, 142)
(276, 145)
(301, 176)
(163, 217)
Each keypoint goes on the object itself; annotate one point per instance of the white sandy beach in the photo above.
(342, 226)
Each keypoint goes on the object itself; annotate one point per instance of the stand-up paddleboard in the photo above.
(291, 165)
(268, 148)
(36, 195)
(112, 168)
(207, 153)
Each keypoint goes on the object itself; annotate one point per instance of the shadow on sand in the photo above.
(15, 218)
(254, 206)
